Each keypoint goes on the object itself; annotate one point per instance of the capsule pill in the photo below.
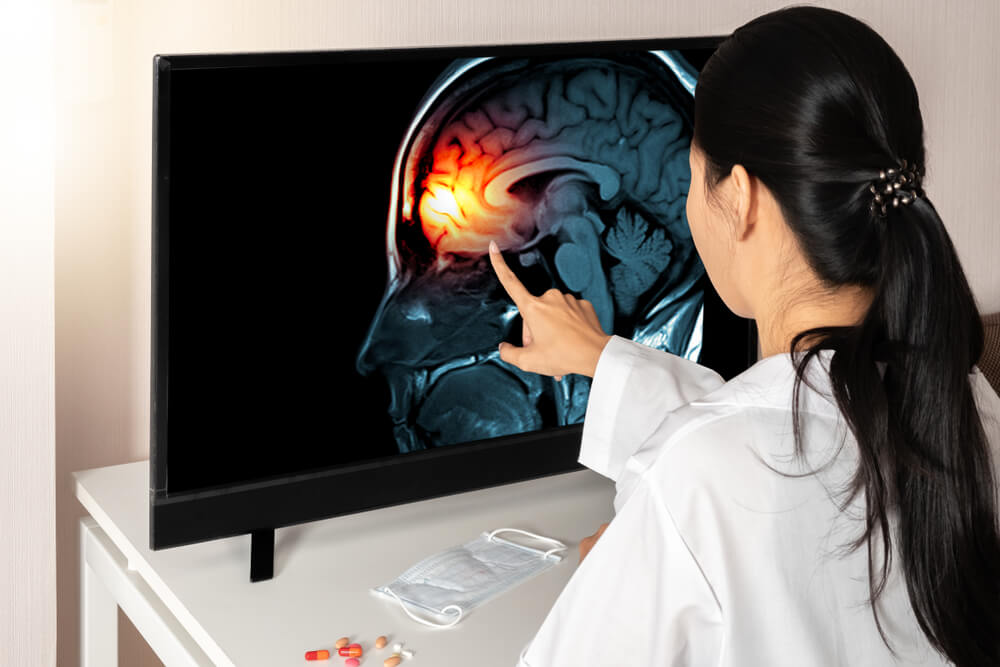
(352, 662)
(342, 642)
(381, 642)
(318, 655)
(392, 662)
(352, 651)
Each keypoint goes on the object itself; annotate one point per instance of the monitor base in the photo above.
(262, 555)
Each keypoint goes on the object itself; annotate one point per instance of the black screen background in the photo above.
(280, 179)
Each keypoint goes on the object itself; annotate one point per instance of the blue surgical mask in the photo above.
(448, 584)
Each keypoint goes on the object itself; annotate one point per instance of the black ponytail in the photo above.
(814, 103)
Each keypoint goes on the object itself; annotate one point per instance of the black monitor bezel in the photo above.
(227, 510)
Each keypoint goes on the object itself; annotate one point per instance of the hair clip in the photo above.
(895, 186)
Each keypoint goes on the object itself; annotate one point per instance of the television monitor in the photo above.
(325, 319)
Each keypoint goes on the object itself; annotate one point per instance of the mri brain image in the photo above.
(578, 169)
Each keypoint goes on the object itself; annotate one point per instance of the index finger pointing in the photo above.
(515, 288)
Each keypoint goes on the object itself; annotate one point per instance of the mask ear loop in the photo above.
(425, 622)
(561, 546)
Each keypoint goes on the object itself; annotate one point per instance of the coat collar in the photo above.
(769, 384)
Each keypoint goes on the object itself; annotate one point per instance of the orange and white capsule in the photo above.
(318, 655)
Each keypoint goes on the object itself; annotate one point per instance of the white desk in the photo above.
(195, 604)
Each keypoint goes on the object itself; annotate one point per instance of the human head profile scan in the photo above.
(578, 169)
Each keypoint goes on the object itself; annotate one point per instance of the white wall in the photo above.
(103, 174)
(27, 324)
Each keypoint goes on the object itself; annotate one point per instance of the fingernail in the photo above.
(493, 247)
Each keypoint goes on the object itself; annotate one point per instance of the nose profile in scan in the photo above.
(578, 169)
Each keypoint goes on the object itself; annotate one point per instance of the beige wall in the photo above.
(103, 173)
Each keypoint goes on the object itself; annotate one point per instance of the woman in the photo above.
(835, 504)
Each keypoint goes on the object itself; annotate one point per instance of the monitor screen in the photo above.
(325, 224)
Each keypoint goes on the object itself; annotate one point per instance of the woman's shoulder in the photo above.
(733, 439)
(769, 384)
(725, 446)
(743, 432)
(752, 413)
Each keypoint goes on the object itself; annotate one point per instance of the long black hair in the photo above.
(814, 103)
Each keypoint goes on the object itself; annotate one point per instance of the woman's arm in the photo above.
(635, 387)
(562, 334)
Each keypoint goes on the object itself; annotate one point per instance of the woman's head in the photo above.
(755, 261)
(802, 107)
(815, 104)
(796, 115)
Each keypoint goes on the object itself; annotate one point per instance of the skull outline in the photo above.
(415, 300)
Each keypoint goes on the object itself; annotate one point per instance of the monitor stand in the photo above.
(262, 554)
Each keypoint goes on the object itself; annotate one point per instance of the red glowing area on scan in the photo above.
(463, 207)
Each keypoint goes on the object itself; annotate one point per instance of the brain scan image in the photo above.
(578, 169)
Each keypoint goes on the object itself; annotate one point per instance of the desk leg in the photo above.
(98, 616)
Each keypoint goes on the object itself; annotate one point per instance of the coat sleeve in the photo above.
(634, 388)
(638, 598)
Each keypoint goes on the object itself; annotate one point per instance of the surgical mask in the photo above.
(450, 583)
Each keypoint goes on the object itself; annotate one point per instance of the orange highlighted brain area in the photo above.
(457, 217)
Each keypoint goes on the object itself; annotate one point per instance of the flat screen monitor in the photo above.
(325, 319)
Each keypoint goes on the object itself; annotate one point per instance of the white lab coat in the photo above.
(713, 559)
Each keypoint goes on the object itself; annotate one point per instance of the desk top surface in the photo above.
(324, 570)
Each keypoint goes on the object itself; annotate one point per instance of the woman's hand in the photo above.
(561, 334)
(587, 543)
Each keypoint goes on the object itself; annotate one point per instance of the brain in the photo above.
(586, 120)
(579, 168)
